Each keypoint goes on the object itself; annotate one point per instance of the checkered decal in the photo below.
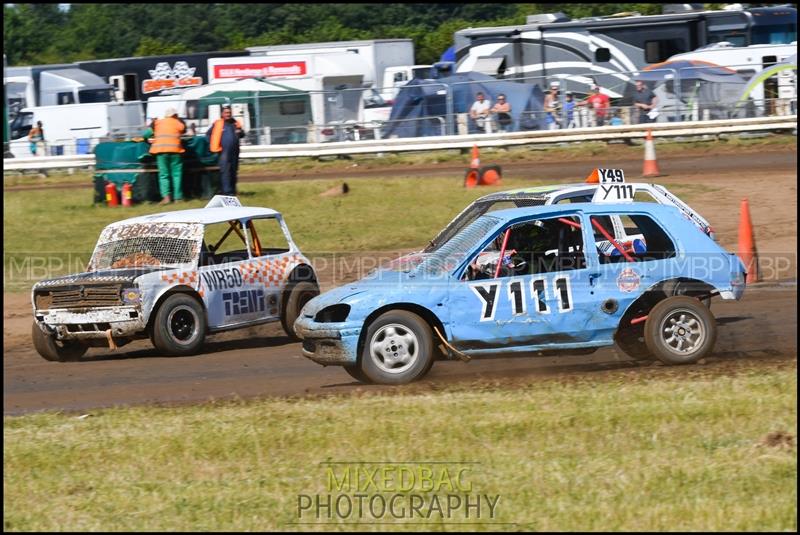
(184, 277)
(267, 272)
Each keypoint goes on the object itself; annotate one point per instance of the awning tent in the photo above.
(420, 107)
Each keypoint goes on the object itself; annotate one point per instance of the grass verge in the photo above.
(688, 453)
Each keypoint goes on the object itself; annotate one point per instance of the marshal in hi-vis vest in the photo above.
(167, 136)
(216, 134)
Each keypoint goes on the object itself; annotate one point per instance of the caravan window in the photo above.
(94, 95)
(66, 98)
(663, 49)
(292, 107)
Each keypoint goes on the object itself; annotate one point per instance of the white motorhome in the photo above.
(76, 128)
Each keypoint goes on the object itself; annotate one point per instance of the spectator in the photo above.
(616, 120)
(598, 104)
(166, 145)
(479, 112)
(552, 106)
(192, 130)
(224, 136)
(502, 111)
(569, 109)
(36, 138)
(645, 101)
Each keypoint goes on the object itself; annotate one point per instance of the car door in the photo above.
(620, 276)
(231, 294)
(542, 297)
(271, 257)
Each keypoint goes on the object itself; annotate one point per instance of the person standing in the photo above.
(502, 112)
(166, 145)
(480, 111)
(598, 104)
(569, 109)
(552, 106)
(645, 101)
(36, 138)
(224, 137)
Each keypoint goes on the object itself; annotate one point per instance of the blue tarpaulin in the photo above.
(421, 105)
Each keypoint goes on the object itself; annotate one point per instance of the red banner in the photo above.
(260, 70)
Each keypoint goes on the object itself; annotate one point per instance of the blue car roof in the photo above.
(510, 214)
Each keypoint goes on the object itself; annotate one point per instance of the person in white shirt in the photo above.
(480, 111)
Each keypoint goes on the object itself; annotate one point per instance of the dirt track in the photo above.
(761, 330)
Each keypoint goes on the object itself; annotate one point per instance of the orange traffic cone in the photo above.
(650, 164)
(472, 176)
(476, 160)
(747, 244)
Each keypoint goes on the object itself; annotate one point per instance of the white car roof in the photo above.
(203, 216)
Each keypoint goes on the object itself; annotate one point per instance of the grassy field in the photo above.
(655, 453)
(53, 232)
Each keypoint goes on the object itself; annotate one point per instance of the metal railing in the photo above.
(502, 139)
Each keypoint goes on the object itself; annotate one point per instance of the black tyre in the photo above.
(398, 348)
(57, 351)
(680, 330)
(297, 295)
(179, 327)
(631, 341)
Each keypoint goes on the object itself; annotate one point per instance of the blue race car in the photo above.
(531, 280)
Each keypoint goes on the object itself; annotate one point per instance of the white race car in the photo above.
(174, 277)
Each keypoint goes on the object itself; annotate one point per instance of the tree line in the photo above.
(45, 33)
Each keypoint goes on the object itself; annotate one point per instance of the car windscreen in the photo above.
(147, 244)
(451, 253)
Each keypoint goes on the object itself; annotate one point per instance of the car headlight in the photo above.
(333, 314)
(131, 296)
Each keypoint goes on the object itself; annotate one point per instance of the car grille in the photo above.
(79, 297)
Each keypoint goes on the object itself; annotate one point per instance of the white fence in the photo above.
(607, 133)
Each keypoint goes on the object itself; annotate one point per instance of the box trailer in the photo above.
(380, 55)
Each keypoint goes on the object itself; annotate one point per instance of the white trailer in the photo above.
(390, 62)
(76, 128)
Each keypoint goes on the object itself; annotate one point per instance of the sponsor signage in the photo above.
(260, 70)
(164, 77)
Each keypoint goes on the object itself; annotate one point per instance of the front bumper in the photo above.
(123, 322)
(328, 343)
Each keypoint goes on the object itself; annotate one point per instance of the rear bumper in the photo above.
(92, 324)
(328, 343)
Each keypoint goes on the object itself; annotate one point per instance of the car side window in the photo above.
(532, 247)
(266, 237)
(222, 243)
(646, 240)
